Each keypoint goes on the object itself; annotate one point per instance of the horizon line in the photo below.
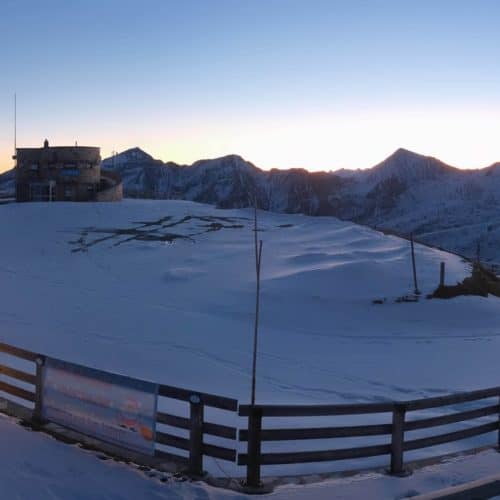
(307, 169)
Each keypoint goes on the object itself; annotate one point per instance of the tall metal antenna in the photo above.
(15, 123)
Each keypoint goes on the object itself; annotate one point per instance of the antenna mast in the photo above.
(15, 124)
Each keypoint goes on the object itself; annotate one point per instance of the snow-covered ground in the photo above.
(34, 465)
(100, 284)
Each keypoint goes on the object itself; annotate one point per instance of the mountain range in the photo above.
(456, 209)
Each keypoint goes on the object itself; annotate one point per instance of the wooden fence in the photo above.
(197, 426)
(30, 397)
(194, 422)
(402, 418)
(395, 446)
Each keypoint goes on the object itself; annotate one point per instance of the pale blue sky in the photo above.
(316, 84)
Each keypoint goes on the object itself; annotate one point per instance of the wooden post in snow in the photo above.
(417, 291)
(254, 447)
(397, 440)
(195, 435)
(38, 410)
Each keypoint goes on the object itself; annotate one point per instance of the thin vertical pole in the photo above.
(417, 291)
(258, 255)
(14, 157)
(15, 124)
(441, 275)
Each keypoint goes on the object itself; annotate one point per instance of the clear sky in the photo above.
(319, 84)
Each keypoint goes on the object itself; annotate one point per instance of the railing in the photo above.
(254, 458)
(396, 446)
(197, 427)
(30, 398)
(401, 419)
(31, 401)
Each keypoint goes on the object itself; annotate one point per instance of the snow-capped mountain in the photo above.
(228, 182)
(407, 192)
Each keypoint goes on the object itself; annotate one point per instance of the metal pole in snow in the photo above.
(258, 255)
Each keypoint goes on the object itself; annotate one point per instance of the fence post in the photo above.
(498, 449)
(397, 441)
(254, 446)
(37, 412)
(441, 275)
(196, 436)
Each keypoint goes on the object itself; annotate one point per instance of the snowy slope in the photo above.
(152, 298)
(100, 284)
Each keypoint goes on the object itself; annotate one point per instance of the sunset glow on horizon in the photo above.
(320, 85)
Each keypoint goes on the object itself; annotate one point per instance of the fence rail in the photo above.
(190, 448)
(27, 397)
(194, 422)
(197, 426)
(398, 442)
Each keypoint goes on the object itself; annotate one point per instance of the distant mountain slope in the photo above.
(7, 184)
(407, 192)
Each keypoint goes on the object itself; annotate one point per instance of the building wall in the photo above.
(114, 193)
(67, 173)
(111, 188)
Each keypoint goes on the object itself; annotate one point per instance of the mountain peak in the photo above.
(228, 161)
(402, 153)
(408, 167)
(230, 158)
(129, 157)
(135, 153)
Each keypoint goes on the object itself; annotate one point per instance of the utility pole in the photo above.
(258, 255)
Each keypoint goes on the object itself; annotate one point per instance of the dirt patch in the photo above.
(481, 282)
(157, 230)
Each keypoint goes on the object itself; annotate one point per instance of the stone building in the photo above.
(64, 173)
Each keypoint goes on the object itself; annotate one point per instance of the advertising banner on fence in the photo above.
(113, 408)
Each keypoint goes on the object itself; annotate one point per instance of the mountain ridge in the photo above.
(405, 193)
